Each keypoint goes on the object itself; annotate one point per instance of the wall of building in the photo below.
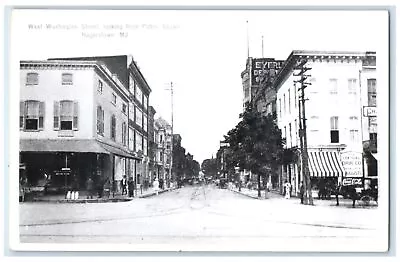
(50, 89)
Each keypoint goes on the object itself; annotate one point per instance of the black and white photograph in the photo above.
(199, 130)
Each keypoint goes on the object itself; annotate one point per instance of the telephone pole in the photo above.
(308, 200)
(171, 88)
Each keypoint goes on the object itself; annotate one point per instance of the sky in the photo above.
(201, 52)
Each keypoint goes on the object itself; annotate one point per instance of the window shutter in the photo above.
(99, 113)
(41, 115)
(56, 111)
(22, 113)
(76, 113)
(102, 121)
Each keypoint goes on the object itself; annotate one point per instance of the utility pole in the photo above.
(172, 132)
(303, 129)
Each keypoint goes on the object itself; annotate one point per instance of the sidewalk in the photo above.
(275, 196)
(118, 197)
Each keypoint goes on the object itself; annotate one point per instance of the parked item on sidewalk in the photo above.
(288, 187)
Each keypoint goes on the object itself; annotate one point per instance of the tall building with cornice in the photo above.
(340, 113)
(73, 124)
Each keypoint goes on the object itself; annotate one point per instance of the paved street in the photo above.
(203, 218)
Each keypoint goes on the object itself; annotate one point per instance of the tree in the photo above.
(256, 144)
(209, 167)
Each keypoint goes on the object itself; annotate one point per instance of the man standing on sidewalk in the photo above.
(302, 192)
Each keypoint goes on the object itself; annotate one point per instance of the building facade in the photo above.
(73, 124)
(163, 140)
(340, 87)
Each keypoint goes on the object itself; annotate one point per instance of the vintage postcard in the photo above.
(198, 130)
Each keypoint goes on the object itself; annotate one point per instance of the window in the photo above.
(32, 79)
(145, 101)
(289, 101)
(313, 87)
(31, 115)
(123, 133)
(352, 86)
(145, 123)
(113, 127)
(66, 79)
(145, 146)
(139, 117)
(100, 121)
(114, 99)
(131, 139)
(124, 108)
(139, 94)
(333, 86)
(66, 115)
(284, 104)
(139, 142)
(353, 135)
(334, 129)
(295, 96)
(131, 84)
(371, 92)
(100, 87)
(161, 157)
(131, 112)
(290, 134)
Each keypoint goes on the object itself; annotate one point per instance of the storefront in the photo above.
(56, 166)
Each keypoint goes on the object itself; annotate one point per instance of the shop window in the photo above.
(371, 92)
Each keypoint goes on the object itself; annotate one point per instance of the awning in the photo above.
(325, 164)
(70, 145)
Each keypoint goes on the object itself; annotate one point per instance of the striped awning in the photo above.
(325, 164)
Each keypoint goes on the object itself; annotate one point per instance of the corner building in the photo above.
(340, 134)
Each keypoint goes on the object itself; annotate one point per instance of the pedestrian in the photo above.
(131, 187)
(107, 188)
(124, 185)
(287, 189)
(337, 192)
(156, 185)
(302, 190)
(89, 188)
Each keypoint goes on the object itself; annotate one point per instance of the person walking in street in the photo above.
(287, 189)
(124, 185)
(89, 188)
(156, 185)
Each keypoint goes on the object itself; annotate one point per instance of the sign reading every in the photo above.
(268, 66)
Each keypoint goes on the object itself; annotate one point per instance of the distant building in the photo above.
(340, 116)
(163, 138)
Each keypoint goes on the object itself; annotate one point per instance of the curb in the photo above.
(154, 193)
(243, 194)
(75, 201)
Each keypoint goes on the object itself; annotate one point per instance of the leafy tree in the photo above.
(255, 144)
(209, 167)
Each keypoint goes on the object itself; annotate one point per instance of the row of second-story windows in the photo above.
(33, 78)
(113, 126)
(65, 115)
(313, 125)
